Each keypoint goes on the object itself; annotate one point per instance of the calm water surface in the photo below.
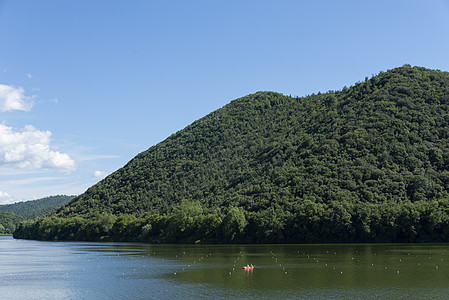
(76, 270)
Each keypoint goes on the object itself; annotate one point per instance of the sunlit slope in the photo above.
(8, 222)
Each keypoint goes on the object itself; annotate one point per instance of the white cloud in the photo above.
(30, 148)
(5, 198)
(99, 175)
(29, 75)
(12, 98)
(96, 157)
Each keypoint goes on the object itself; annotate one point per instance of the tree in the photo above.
(233, 224)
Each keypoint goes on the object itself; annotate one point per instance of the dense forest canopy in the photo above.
(13, 214)
(367, 163)
(35, 208)
(8, 222)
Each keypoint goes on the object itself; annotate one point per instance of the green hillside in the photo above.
(36, 208)
(367, 163)
(12, 214)
(8, 222)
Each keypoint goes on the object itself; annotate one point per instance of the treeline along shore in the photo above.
(307, 222)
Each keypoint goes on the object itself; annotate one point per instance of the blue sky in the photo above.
(87, 85)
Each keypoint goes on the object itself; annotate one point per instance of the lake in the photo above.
(83, 270)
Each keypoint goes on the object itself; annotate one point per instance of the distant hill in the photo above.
(367, 163)
(36, 208)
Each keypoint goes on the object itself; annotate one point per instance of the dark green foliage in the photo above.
(8, 222)
(368, 163)
(36, 208)
(308, 222)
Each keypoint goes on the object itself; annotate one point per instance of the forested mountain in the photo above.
(367, 163)
(13, 214)
(36, 208)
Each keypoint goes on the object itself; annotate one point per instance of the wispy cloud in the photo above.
(30, 148)
(99, 175)
(29, 75)
(31, 181)
(12, 98)
(40, 185)
(90, 157)
(5, 198)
